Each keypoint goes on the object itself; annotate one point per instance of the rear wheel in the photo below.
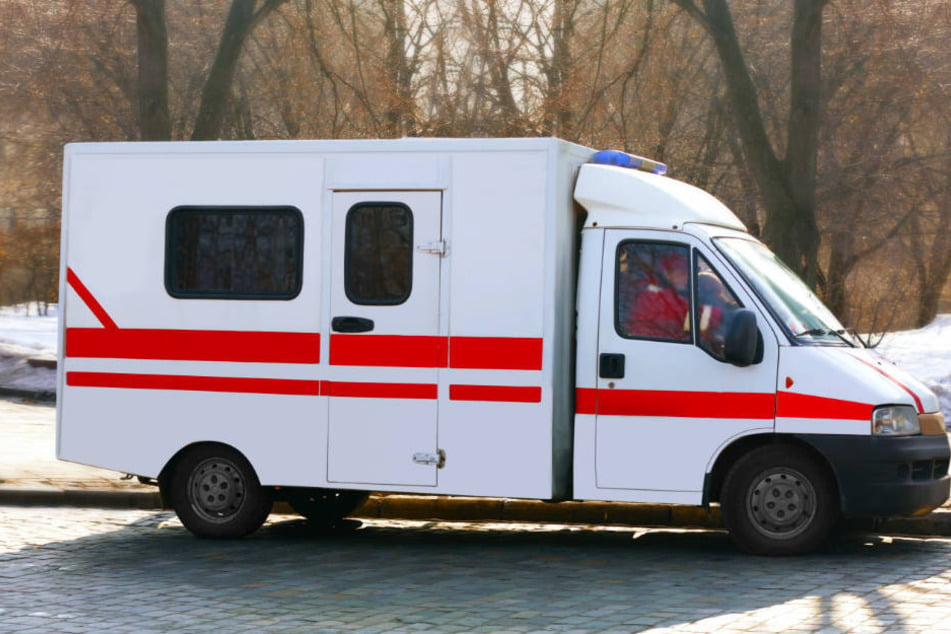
(324, 507)
(216, 493)
(778, 500)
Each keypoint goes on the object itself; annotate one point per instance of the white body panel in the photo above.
(497, 305)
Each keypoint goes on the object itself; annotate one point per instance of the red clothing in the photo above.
(659, 313)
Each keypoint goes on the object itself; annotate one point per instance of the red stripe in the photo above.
(73, 280)
(193, 345)
(193, 383)
(497, 393)
(586, 400)
(918, 403)
(498, 353)
(792, 405)
(380, 390)
(759, 406)
(388, 351)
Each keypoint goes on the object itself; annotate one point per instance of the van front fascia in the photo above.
(886, 476)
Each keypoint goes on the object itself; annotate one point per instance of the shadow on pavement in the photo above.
(461, 577)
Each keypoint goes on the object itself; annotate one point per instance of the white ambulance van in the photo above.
(308, 321)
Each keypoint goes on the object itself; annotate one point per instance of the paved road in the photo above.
(86, 570)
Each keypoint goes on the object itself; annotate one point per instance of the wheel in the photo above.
(216, 493)
(324, 507)
(778, 500)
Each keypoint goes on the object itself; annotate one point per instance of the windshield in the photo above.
(794, 305)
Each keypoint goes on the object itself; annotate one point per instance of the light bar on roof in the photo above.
(623, 159)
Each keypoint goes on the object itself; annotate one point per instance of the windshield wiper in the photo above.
(813, 331)
(823, 331)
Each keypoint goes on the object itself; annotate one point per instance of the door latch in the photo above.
(437, 459)
(436, 247)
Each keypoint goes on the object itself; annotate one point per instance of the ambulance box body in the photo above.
(313, 320)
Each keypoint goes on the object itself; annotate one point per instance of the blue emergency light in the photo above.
(623, 159)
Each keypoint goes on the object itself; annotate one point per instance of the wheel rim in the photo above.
(217, 489)
(781, 504)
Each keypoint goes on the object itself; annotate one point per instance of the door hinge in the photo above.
(436, 247)
(437, 459)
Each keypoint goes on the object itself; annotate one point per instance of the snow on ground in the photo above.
(25, 336)
(926, 352)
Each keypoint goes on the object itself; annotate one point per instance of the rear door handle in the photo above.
(351, 324)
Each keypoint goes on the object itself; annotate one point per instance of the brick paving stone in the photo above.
(68, 570)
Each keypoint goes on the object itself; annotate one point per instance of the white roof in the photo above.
(624, 197)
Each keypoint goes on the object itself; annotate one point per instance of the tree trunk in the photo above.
(242, 17)
(840, 265)
(560, 115)
(786, 187)
(398, 117)
(152, 39)
(802, 145)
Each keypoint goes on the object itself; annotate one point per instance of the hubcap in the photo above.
(216, 488)
(781, 503)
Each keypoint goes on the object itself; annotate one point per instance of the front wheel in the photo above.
(216, 493)
(778, 500)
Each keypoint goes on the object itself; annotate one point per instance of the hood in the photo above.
(855, 376)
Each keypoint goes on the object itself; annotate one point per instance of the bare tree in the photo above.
(152, 35)
(787, 184)
(243, 16)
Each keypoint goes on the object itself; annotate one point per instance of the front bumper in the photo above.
(887, 476)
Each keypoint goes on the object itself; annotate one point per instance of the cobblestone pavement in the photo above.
(85, 570)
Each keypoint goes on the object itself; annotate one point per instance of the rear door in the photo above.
(667, 402)
(385, 348)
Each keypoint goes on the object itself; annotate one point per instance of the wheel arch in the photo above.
(713, 481)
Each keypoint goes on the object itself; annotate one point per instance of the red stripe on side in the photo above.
(193, 345)
(918, 403)
(792, 405)
(757, 406)
(193, 383)
(380, 390)
(495, 353)
(388, 351)
(586, 400)
(84, 294)
(495, 393)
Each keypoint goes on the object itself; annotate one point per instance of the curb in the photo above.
(80, 498)
(44, 396)
(472, 509)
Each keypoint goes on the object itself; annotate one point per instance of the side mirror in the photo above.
(743, 344)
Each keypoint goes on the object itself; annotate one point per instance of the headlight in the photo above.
(895, 420)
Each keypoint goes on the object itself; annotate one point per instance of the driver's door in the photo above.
(666, 401)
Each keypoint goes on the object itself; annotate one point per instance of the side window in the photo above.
(234, 252)
(715, 305)
(378, 256)
(653, 291)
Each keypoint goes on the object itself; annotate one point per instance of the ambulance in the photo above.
(245, 322)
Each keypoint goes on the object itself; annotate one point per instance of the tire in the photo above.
(216, 493)
(324, 507)
(778, 500)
